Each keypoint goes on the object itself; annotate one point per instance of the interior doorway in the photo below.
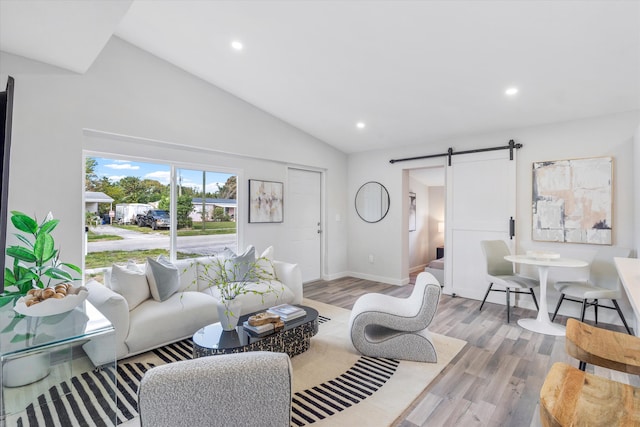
(426, 188)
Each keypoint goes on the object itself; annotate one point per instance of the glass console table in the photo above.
(43, 365)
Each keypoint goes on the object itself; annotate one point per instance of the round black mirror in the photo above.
(372, 201)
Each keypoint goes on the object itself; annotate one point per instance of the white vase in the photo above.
(229, 313)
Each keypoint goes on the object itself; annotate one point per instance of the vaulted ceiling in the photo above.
(413, 72)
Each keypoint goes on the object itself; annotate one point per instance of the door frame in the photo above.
(420, 164)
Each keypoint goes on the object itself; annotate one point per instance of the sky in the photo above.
(115, 170)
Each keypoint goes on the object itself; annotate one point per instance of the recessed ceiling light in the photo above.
(360, 125)
(236, 45)
(511, 91)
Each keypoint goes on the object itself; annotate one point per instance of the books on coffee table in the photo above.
(261, 330)
(287, 311)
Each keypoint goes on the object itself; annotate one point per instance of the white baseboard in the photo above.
(380, 279)
(335, 276)
(420, 267)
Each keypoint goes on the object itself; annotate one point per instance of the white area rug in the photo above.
(334, 385)
(331, 354)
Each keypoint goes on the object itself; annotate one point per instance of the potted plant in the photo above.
(235, 276)
(37, 269)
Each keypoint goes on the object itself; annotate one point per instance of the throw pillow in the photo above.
(163, 277)
(265, 263)
(130, 281)
(239, 266)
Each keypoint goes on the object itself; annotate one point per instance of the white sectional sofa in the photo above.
(143, 323)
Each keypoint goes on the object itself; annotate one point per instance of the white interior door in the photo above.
(303, 213)
(481, 199)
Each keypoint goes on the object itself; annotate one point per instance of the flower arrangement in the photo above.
(36, 263)
(235, 276)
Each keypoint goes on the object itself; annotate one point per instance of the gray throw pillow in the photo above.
(239, 267)
(163, 278)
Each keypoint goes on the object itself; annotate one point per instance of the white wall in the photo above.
(130, 92)
(601, 136)
(636, 187)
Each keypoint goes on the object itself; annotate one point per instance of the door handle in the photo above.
(512, 228)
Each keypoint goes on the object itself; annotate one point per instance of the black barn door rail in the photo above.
(512, 145)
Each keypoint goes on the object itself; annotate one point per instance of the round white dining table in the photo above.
(542, 323)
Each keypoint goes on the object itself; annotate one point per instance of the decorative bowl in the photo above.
(543, 255)
(51, 306)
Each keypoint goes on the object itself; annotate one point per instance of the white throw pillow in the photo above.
(239, 266)
(265, 263)
(163, 277)
(130, 281)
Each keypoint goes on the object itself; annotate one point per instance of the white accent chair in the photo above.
(397, 328)
(244, 389)
(500, 273)
(603, 283)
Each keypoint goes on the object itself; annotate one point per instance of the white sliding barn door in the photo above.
(303, 223)
(481, 199)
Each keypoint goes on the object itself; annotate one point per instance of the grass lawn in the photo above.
(107, 258)
(142, 229)
(228, 227)
(94, 237)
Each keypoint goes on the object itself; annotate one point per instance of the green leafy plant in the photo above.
(36, 263)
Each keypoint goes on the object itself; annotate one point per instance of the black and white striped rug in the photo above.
(325, 394)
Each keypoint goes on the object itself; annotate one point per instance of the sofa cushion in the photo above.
(163, 278)
(188, 271)
(207, 266)
(130, 281)
(156, 323)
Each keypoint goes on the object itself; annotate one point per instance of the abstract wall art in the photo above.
(265, 201)
(572, 201)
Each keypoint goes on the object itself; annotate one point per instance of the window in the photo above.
(133, 211)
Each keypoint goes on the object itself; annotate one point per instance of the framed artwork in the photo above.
(412, 211)
(572, 201)
(265, 201)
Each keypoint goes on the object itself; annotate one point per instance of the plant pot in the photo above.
(229, 313)
(26, 370)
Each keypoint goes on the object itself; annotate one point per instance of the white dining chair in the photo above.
(603, 283)
(500, 273)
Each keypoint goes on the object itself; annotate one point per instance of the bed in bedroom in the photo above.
(436, 267)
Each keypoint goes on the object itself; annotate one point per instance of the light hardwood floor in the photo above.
(495, 380)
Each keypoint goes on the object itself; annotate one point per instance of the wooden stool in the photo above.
(571, 397)
(609, 349)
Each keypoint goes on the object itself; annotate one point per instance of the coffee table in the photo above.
(293, 339)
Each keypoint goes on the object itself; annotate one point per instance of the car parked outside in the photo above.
(154, 218)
